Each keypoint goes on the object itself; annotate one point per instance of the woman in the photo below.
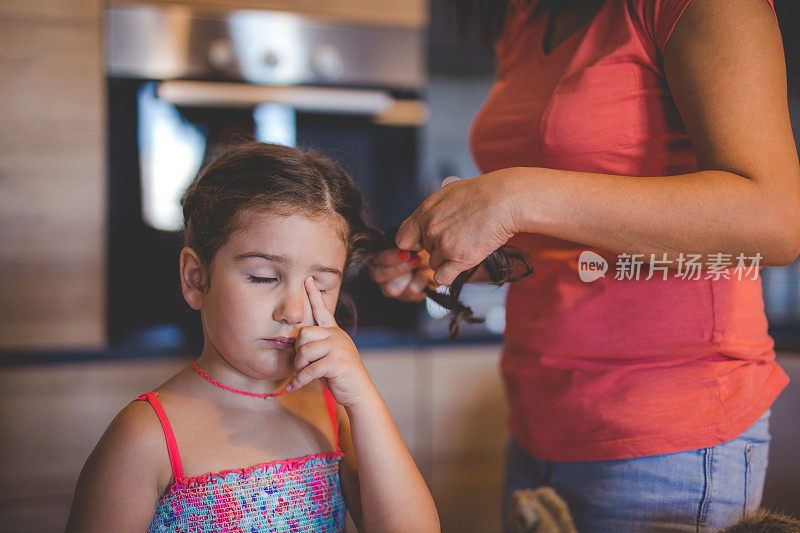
(654, 134)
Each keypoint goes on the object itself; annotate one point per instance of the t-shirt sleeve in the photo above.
(659, 18)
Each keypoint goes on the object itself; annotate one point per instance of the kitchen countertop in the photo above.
(365, 339)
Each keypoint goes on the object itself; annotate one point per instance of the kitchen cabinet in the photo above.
(405, 13)
(52, 180)
(52, 417)
(467, 436)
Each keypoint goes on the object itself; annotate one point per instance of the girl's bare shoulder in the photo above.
(127, 471)
(138, 423)
(135, 437)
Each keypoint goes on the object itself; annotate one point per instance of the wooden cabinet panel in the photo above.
(467, 403)
(404, 13)
(468, 436)
(52, 416)
(394, 374)
(50, 10)
(52, 175)
(468, 493)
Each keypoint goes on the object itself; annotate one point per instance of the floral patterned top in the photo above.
(292, 495)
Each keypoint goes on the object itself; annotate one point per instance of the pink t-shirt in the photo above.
(614, 368)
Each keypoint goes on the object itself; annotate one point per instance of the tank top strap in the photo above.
(330, 403)
(169, 436)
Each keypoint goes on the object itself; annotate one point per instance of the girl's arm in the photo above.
(725, 68)
(387, 492)
(384, 489)
(348, 472)
(119, 485)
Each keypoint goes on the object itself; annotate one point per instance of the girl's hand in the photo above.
(402, 275)
(462, 223)
(327, 353)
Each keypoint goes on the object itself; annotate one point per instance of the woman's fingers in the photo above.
(462, 223)
(409, 235)
(395, 287)
(447, 273)
(401, 279)
(415, 291)
(322, 315)
(391, 257)
(383, 273)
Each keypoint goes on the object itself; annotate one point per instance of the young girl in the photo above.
(271, 232)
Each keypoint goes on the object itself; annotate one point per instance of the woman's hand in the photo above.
(327, 353)
(402, 275)
(462, 223)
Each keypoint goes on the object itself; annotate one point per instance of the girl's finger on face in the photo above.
(310, 352)
(315, 370)
(395, 287)
(310, 334)
(322, 316)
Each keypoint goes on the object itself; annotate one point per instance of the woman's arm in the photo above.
(725, 67)
(119, 485)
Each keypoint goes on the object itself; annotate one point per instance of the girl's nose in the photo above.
(293, 307)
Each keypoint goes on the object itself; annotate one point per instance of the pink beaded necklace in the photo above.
(264, 395)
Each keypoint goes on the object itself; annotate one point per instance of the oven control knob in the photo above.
(327, 62)
(271, 59)
(220, 54)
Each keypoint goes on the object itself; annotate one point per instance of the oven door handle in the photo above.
(380, 105)
(312, 99)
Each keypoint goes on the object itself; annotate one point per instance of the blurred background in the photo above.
(106, 113)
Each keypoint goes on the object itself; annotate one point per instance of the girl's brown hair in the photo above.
(255, 176)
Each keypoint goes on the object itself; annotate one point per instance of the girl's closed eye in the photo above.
(257, 279)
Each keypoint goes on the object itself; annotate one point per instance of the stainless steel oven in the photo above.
(182, 83)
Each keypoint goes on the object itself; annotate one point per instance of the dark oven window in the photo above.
(156, 149)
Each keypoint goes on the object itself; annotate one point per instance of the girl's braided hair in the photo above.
(256, 176)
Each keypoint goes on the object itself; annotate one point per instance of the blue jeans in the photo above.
(698, 490)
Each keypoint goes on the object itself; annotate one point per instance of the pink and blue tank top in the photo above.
(297, 495)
